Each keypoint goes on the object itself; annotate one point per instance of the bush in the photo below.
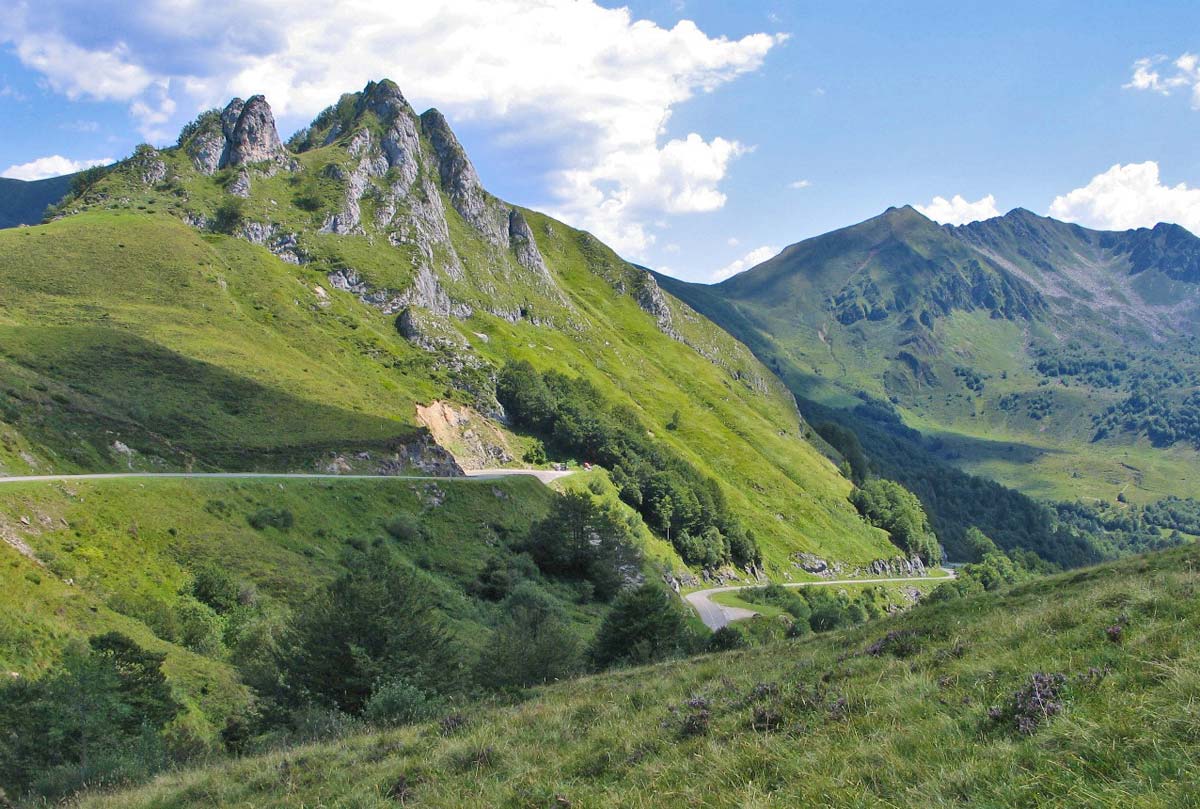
(375, 621)
(726, 638)
(95, 720)
(396, 701)
(582, 539)
(214, 587)
(229, 215)
(269, 517)
(200, 628)
(406, 527)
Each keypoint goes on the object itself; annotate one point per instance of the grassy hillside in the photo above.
(131, 339)
(1075, 690)
(85, 557)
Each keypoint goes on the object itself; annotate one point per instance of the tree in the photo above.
(532, 644)
(99, 714)
(524, 394)
(888, 505)
(645, 624)
(978, 544)
(581, 539)
(375, 621)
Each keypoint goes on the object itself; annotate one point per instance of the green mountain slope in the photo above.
(1054, 359)
(235, 303)
(1034, 696)
(85, 557)
(24, 202)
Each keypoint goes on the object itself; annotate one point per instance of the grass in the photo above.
(111, 554)
(820, 721)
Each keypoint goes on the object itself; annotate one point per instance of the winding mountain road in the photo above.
(544, 475)
(716, 615)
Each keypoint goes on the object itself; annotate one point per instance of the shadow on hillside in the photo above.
(955, 447)
(79, 390)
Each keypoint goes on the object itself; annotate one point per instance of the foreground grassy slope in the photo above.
(118, 554)
(841, 720)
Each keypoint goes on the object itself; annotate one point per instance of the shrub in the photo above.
(406, 527)
(229, 215)
(582, 539)
(269, 517)
(726, 638)
(372, 622)
(214, 587)
(396, 701)
(1033, 704)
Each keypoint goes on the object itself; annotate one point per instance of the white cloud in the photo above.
(1181, 73)
(1129, 196)
(756, 256)
(733, 241)
(799, 184)
(594, 85)
(958, 211)
(51, 166)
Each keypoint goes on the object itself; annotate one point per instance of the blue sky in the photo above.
(690, 135)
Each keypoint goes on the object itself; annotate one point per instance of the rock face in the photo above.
(250, 133)
(523, 244)
(462, 183)
(652, 300)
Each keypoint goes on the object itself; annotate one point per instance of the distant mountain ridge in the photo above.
(23, 202)
(1053, 357)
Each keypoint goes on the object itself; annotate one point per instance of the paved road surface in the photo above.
(716, 615)
(545, 476)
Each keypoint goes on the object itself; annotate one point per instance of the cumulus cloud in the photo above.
(799, 184)
(1155, 74)
(1129, 196)
(594, 85)
(51, 166)
(756, 256)
(958, 211)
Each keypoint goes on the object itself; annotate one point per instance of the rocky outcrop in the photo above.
(462, 183)
(420, 455)
(898, 566)
(240, 187)
(284, 245)
(520, 236)
(650, 297)
(475, 442)
(250, 133)
(148, 166)
(425, 293)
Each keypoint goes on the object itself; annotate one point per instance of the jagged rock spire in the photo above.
(250, 133)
